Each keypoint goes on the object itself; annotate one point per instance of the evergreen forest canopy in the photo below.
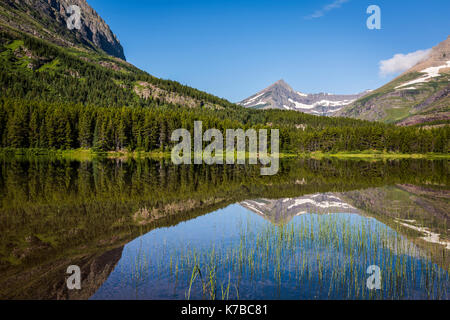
(59, 98)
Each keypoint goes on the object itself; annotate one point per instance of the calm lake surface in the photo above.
(145, 229)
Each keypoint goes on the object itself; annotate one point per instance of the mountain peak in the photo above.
(280, 95)
(283, 84)
(438, 56)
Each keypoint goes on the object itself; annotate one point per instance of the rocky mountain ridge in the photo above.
(281, 96)
(419, 96)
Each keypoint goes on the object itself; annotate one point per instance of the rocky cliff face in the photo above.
(281, 96)
(47, 19)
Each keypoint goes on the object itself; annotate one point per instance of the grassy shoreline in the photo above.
(90, 154)
(379, 155)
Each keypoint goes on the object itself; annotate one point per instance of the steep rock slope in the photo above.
(418, 96)
(47, 19)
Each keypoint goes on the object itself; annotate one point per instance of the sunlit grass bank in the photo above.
(90, 154)
(373, 154)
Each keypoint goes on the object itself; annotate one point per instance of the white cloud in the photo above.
(321, 12)
(402, 62)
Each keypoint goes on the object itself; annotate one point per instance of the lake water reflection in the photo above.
(144, 229)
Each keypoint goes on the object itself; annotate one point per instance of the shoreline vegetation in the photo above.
(91, 154)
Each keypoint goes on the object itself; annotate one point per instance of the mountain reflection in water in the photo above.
(311, 247)
(204, 232)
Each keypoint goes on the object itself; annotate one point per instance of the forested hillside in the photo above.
(59, 98)
(35, 69)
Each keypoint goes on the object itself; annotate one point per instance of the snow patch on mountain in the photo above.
(251, 100)
(430, 73)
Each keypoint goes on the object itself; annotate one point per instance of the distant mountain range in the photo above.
(421, 95)
(281, 96)
(418, 96)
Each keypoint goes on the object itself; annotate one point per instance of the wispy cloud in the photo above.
(402, 62)
(321, 12)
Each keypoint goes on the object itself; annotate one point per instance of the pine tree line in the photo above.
(31, 124)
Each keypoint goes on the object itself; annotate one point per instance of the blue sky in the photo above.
(234, 49)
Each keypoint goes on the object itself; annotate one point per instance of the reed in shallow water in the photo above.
(314, 256)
